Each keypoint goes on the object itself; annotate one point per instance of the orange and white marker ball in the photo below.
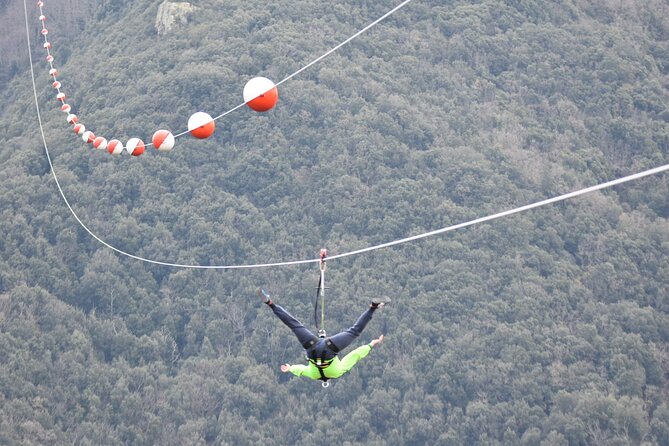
(201, 125)
(163, 140)
(100, 143)
(260, 94)
(53, 72)
(88, 136)
(72, 119)
(79, 129)
(65, 108)
(134, 146)
(115, 147)
(60, 97)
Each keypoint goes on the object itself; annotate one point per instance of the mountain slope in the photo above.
(548, 326)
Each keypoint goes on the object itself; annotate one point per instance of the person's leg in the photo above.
(344, 339)
(303, 334)
(306, 337)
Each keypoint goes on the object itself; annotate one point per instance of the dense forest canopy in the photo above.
(549, 327)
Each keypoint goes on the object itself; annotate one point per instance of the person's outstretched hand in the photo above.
(377, 341)
(285, 368)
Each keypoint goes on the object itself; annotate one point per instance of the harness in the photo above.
(320, 369)
(316, 357)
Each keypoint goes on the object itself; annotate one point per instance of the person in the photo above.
(324, 364)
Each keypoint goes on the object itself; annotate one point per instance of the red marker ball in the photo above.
(201, 125)
(88, 136)
(163, 140)
(100, 143)
(79, 129)
(115, 147)
(260, 94)
(135, 146)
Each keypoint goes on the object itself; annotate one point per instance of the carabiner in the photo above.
(325, 384)
(323, 255)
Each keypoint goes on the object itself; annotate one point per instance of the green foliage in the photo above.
(549, 327)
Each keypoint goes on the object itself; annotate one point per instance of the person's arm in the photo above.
(352, 359)
(295, 369)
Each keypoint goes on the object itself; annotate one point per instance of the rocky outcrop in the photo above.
(172, 15)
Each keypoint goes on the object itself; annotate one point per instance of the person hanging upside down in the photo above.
(321, 350)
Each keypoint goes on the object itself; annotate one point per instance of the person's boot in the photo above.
(264, 296)
(379, 302)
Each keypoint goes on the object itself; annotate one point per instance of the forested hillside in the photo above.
(549, 327)
(70, 17)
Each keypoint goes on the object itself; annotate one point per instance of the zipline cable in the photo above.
(332, 50)
(537, 204)
(316, 60)
(290, 76)
(527, 207)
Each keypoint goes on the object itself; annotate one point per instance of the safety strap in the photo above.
(319, 363)
(323, 377)
(321, 367)
(320, 292)
(331, 345)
